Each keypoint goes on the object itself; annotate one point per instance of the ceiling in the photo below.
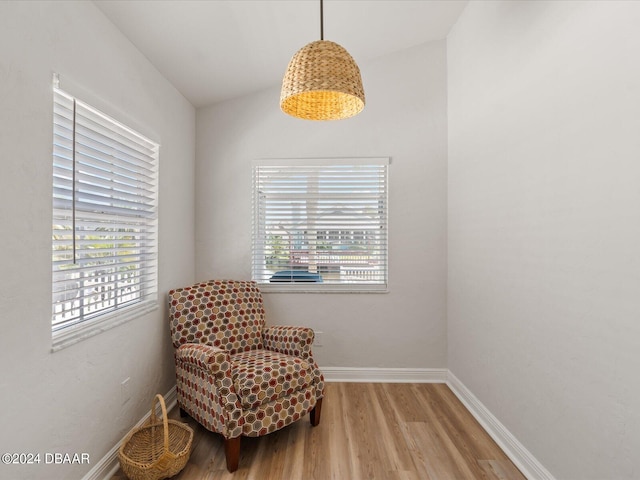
(213, 50)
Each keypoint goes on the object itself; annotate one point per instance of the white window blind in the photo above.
(320, 224)
(104, 216)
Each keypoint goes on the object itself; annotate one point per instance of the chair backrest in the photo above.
(228, 314)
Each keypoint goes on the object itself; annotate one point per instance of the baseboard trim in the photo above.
(385, 375)
(517, 453)
(109, 464)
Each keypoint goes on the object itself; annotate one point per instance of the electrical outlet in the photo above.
(125, 390)
(318, 340)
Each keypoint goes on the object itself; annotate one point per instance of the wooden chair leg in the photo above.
(232, 452)
(315, 413)
(183, 413)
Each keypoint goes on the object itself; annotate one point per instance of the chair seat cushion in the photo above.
(262, 376)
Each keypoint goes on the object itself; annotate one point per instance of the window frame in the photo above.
(257, 272)
(137, 244)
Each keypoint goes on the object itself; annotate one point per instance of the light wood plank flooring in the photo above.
(367, 431)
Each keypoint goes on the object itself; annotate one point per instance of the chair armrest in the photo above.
(205, 388)
(294, 341)
(212, 359)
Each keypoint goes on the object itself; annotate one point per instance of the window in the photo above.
(320, 225)
(104, 235)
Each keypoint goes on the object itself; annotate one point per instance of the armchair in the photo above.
(236, 376)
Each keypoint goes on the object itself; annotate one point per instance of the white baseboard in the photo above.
(385, 375)
(517, 453)
(109, 464)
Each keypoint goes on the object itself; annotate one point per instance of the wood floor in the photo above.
(367, 431)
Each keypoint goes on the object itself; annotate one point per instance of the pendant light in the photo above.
(322, 82)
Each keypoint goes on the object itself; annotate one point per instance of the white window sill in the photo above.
(301, 287)
(77, 333)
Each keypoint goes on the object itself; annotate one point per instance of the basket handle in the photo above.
(165, 423)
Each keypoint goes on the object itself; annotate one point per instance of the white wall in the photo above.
(544, 227)
(405, 119)
(69, 401)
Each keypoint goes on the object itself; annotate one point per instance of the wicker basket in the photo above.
(158, 449)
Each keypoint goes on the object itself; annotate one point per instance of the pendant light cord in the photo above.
(321, 22)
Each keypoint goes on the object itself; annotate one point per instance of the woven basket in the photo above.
(158, 449)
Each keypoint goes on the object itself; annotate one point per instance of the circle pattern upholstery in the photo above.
(235, 375)
(262, 376)
(225, 314)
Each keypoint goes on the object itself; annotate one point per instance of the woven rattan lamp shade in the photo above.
(322, 82)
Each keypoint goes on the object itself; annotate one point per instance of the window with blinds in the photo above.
(320, 224)
(104, 217)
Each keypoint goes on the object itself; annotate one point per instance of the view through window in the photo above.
(104, 237)
(320, 224)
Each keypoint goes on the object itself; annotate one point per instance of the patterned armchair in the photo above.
(235, 375)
